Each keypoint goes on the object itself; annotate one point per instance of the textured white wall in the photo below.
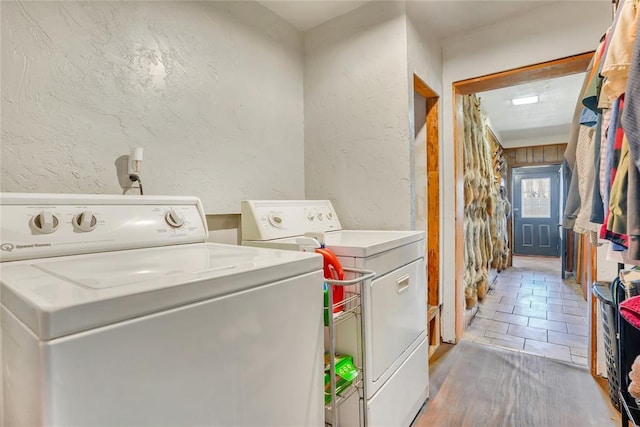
(557, 30)
(212, 90)
(357, 139)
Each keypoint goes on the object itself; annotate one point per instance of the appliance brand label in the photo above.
(8, 247)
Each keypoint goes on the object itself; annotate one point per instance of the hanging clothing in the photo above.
(585, 160)
(597, 207)
(633, 211)
(631, 115)
(609, 161)
(617, 221)
(617, 60)
(605, 233)
(572, 205)
(604, 129)
(591, 93)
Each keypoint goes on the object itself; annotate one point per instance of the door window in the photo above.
(536, 200)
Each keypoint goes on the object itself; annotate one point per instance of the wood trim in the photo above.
(493, 135)
(458, 161)
(593, 333)
(594, 318)
(433, 210)
(593, 271)
(550, 154)
(510, 217)
(433, 202)
(421, 87)
(544, 70)
(434, 331)
(570, 255)
(579, 255)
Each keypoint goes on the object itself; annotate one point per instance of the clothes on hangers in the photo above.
(605, 163)
(617, 60)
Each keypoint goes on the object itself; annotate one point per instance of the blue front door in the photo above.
(536, 210)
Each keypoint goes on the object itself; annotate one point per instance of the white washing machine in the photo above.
(116, 313)
(394, 339)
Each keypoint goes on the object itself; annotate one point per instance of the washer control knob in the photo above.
(275, 220)
(320, 216)
(45, 222)
(174, 218)
(310, 217)
(85, 221)
(329, 215)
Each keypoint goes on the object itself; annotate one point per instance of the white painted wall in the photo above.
(212, 90)
(357, 137)
(559, 29)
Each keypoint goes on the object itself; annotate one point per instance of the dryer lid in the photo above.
(57, 297)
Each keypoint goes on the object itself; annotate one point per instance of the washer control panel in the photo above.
(46, 225)
(276, 219)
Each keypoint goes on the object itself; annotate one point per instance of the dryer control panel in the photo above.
(276, 219)
(46, 225)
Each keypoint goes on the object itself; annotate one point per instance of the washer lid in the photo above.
(358, 243)
(57, 297)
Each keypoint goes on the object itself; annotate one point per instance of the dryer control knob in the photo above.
(310, 217)
(320, 216)
(275, 220)
(174, 218)
(45, 222)
(85, 221)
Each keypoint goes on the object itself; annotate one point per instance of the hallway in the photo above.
(531, 309)
(482, 381)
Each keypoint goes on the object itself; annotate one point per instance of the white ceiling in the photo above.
(444, 18)
(306, 14)
(452, 17)
(546, 122)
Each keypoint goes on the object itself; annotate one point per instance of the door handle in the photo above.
(403, 283)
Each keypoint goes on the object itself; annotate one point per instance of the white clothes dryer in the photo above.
(116, 313)
(394, 339)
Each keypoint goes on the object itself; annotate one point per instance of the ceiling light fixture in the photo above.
(525, 100)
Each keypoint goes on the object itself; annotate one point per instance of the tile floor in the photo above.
(530, 308)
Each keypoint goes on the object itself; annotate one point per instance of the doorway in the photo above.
(562, 302)
(557, 68)
(536, 210)
(427, 134)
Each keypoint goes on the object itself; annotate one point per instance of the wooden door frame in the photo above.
(542, 71)
(433, 210)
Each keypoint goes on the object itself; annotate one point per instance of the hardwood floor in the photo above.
(473, 385)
